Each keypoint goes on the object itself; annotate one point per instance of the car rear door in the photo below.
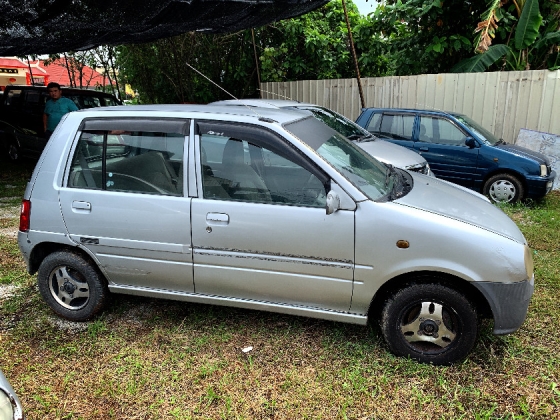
(123, 200)
(259, 225)
(396, 127)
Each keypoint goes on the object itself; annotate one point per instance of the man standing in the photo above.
(55, 108)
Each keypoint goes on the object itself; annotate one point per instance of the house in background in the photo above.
(14, 71)
(68, 73)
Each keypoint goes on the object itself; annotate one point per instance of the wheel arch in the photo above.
(42, 250)
(473, 294)
(508, 171)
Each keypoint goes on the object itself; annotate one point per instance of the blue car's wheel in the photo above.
(503, 188)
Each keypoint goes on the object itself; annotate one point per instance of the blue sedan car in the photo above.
(461, 151)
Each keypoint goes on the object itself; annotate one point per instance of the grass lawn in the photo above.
(156, 359)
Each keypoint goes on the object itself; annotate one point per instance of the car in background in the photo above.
(21, 116)
(461, 151)
(10, 406)
(381, 150)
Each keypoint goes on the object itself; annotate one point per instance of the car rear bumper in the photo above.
(509, 303)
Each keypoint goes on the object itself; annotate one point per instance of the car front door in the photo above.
(443, 145)
(123, 200)
(259, 226)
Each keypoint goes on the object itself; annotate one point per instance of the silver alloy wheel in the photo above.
(428, 324)
(502, 191)
(68, 287)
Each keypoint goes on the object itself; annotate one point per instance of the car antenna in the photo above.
(277, 94)
(261, 118)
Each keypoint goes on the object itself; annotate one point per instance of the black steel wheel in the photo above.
(503, 188)
(71, 286)
(431, 323)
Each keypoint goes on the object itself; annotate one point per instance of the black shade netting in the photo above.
(53, 26)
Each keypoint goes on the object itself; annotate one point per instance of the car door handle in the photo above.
(81, 206)
(219, 218)
(424, 149)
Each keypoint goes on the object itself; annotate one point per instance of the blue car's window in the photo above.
(440, 131)
(397, 126)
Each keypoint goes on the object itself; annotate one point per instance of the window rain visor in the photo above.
(370, 176)
(339, 123)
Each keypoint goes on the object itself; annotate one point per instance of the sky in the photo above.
(365, 7)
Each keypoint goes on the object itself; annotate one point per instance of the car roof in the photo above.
(63, 88)
(281, 116)
(263, 103)
(424, 111)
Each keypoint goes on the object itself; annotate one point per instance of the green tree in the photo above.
(419, 36)
(311, 46)
(527, 41)
(160, 70)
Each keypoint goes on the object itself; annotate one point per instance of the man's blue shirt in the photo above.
(55, 110)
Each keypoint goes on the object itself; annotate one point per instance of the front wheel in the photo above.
(503, 188)
(71, 286)
(430, 323)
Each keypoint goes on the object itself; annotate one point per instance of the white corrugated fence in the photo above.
(503, 102)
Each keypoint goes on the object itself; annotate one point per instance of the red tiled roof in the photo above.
(59, 74)
(12, 62)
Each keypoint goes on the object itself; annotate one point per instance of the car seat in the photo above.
(244, 182)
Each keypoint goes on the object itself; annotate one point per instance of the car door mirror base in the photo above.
(333, 202)
(470, 142)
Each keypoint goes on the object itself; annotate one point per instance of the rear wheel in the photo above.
(503, 188)
(71, 286)
(431, 323)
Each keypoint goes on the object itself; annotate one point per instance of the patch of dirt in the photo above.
(9, 213)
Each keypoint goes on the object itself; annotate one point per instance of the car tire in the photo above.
(71, 286)
(503, 188)
(430, 323)
(13, 152)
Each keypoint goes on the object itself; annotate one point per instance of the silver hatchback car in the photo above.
(267, 209)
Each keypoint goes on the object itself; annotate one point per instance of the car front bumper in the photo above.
(540, 186)
(509, 303)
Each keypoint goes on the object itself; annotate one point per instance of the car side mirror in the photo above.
(333, 202)
(470, 142)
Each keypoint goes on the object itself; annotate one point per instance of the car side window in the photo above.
(396, 126)
(374, 123)
(146, 162)
(13, 98)
(440, 131)
(242, 169)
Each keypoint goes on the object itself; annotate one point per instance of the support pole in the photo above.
(353, 50)
(256, 62)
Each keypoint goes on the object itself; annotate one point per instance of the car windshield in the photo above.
(480, 131)
(370, 176)
(337, 122)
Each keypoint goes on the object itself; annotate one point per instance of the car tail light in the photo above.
(25, 215)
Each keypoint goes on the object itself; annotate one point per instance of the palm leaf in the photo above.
(528, 25)
(481, 62)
